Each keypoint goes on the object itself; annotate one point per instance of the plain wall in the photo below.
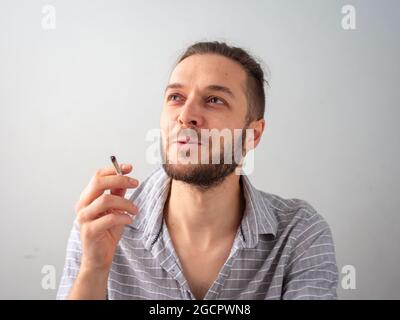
(93, 86)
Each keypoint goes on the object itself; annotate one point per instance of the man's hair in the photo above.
(255, 75)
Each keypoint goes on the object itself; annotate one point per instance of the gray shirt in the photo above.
(283, 249)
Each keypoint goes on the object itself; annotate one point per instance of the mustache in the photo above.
(186, 135)
(206, 136)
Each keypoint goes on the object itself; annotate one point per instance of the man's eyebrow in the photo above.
(212, 87)
(174, 86)
(216, 87)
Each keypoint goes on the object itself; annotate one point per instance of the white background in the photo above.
(93, 86)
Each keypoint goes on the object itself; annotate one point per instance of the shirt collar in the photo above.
(150, 197)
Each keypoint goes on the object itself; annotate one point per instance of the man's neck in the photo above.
(201, 218)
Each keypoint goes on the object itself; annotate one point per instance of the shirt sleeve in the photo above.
(72, 263)
(311, 272)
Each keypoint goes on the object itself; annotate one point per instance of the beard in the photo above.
(203, 176)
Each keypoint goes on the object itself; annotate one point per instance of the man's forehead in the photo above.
(206, 70)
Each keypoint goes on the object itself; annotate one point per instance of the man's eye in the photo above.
(215, 100)
(172, 96)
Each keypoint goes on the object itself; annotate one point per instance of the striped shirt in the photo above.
(283, 249)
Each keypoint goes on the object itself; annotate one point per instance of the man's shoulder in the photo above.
(293, 212)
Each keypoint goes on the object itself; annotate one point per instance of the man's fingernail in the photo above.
(133, 182)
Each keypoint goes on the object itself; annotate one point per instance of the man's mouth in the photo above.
(187, 140)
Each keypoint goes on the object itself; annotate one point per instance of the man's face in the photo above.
(204, 92)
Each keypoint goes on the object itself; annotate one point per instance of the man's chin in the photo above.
(189, 171)
(185, 169)
(203, 176)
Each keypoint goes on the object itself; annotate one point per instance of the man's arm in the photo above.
(76, 281)
(72, 263)
(99, 225)
(312, 271)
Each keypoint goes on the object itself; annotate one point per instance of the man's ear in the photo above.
(253, 136)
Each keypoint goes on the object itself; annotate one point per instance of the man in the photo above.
(200, 230)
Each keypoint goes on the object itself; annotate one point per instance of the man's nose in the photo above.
(191, 115)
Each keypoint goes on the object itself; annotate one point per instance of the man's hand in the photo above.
(101, 218)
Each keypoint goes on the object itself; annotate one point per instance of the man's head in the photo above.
(216, 87)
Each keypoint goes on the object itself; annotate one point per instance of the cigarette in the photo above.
(119, 172)
(116, 165)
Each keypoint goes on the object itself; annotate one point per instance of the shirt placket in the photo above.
(218, 284)
(169, 261)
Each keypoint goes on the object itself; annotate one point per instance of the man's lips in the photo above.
(183, 142)
(187, 140)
